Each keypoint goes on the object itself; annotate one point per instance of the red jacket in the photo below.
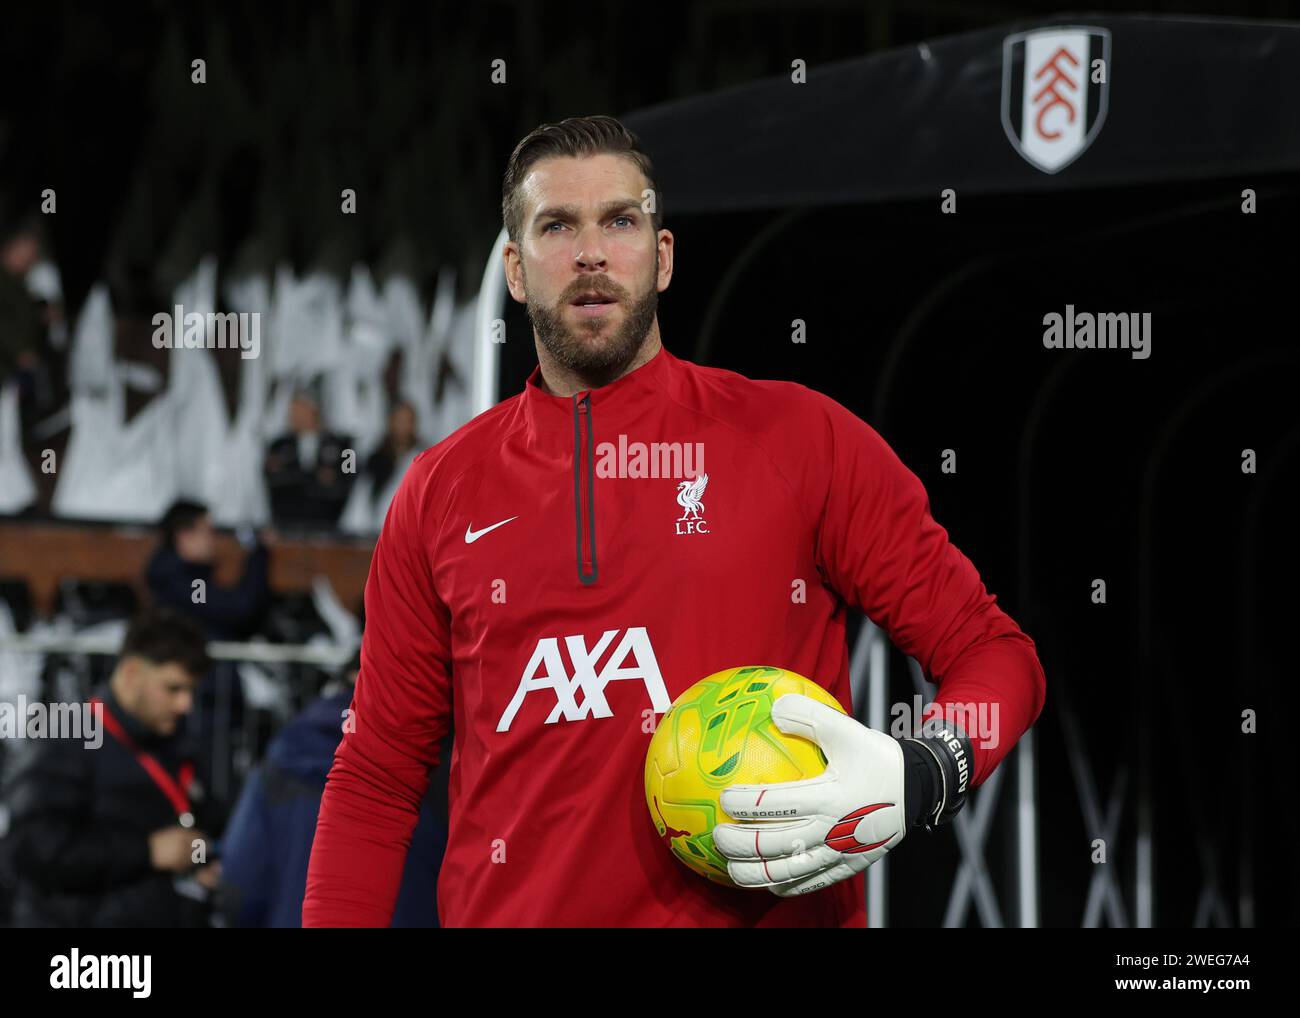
(545, 582)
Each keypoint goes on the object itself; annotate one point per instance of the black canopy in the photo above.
(1188, 98)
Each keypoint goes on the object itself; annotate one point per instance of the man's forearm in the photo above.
(995, 692)
(359, 852)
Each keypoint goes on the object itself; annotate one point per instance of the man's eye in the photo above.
(547, 227)
(628, 219)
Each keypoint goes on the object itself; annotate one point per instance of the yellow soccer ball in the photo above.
(718, 733)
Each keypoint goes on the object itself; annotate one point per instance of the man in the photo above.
(180, 575)
(20, 319)
(557, 606)
(109, 831)
(304, 469)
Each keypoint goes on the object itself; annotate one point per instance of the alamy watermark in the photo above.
(36, 720)
(75, 971)
(1106, 331)
(649, 459)
(914, 720)
(179, 330)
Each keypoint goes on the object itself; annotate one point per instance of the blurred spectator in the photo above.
(186, 556)
(21, 325)
(304, 469)
(389, 462)
(104, 835)
(268, 843)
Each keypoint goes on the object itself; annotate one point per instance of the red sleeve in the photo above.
(400, 712)
(881, 550)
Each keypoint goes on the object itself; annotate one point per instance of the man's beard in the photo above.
(572, 347)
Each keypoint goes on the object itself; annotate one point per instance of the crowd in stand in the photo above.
(142, 831)
(349, 381)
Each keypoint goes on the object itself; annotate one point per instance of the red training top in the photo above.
(549, 578)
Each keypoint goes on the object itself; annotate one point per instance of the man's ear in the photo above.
(512, 259)
(128, 675)
(664, 258)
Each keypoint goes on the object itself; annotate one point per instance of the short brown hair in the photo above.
(164, 636)
(576, 136)
(182, 515)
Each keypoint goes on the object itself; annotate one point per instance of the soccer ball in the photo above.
(718, 733)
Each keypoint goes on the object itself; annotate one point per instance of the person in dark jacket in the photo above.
(268, 843)
(307, 475)
(20, 322)
(108, 829)
(180, 575)
(399, 445)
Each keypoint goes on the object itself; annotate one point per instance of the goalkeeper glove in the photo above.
(817, 831)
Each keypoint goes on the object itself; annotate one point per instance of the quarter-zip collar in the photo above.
(609, 408)
(616, 403)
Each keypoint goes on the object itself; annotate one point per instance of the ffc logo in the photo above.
(1051, 109)
(633, 658)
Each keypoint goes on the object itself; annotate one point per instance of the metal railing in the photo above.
(230, 726)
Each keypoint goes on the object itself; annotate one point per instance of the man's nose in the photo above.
(591, 251)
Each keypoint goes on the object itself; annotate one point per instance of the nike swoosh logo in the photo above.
(472, 535)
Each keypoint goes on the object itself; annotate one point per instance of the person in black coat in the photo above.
(108, 826)
(20, 322)
(181, 576)
(182, 567)
(307, 476)
(399, 444)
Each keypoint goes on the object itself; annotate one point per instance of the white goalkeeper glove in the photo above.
(815, 832)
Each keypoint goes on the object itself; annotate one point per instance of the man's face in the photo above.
(588, 262)
(20, 254)
(198, 543)
(156, 695)
(304, 416)
(401, 423)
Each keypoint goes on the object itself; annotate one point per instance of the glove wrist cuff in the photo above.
(951, 750)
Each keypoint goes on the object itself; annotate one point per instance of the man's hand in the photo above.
(815, 832)
(171, 848)
(209, 875)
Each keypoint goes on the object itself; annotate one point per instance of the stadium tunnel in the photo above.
(822, 202)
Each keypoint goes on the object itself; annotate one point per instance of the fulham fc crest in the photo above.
(1054, 91)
